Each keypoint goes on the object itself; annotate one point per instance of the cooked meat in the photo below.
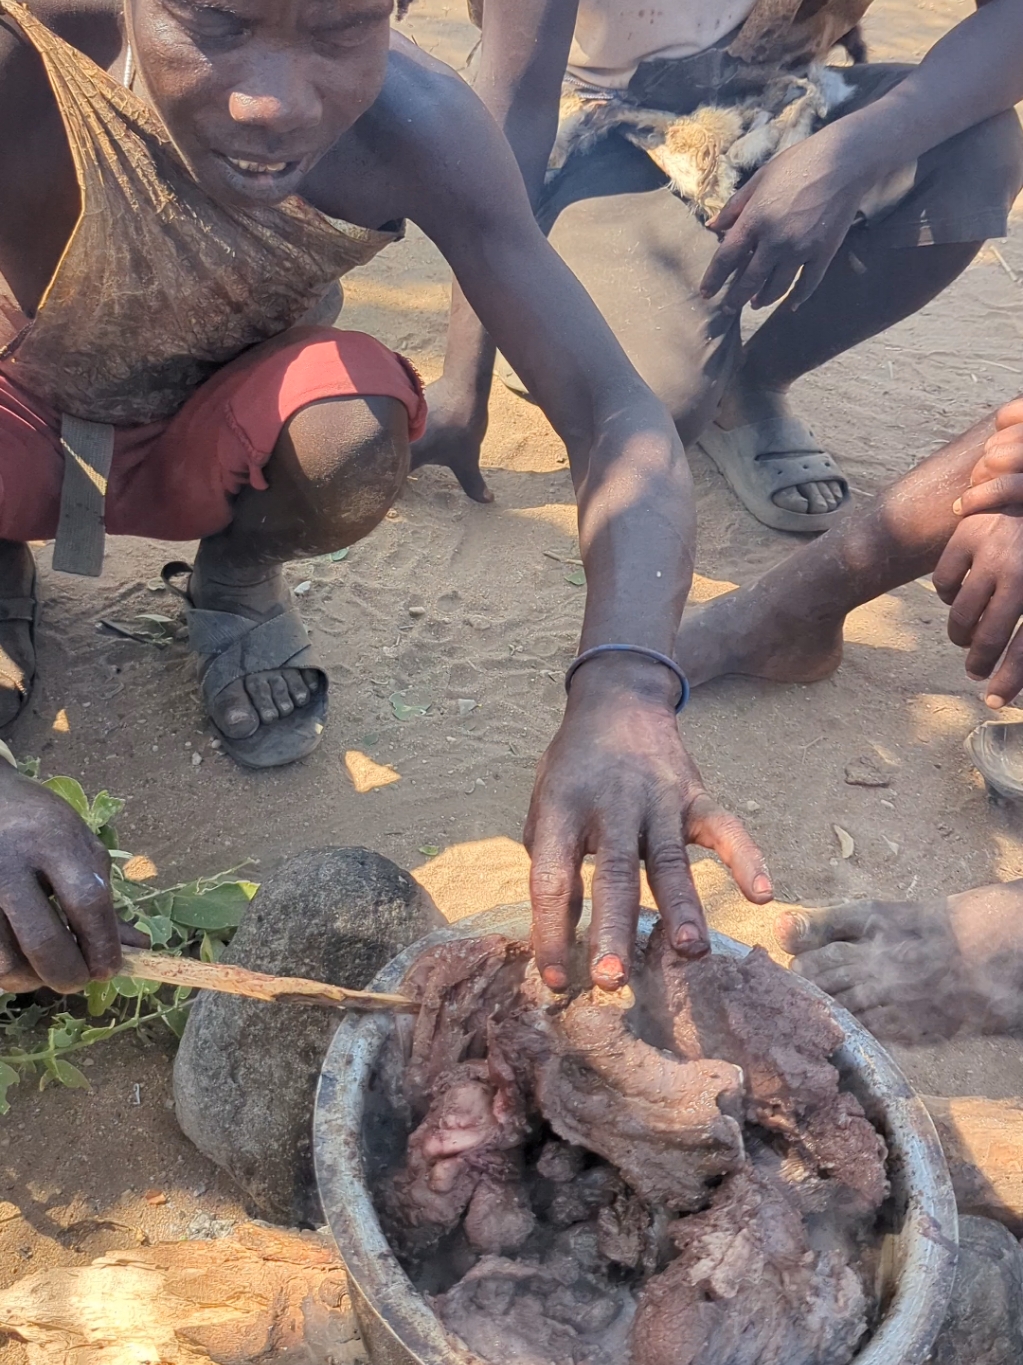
(747, 1289)
(747, 1009)
(499, 1218)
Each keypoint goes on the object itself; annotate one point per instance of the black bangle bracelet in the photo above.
(654, 654)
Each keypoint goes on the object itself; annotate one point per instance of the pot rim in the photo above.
(923, 1251)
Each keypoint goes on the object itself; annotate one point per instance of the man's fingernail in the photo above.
(996, 703)
(610, 968)
(762, 885)
(686, 934)
(974, 677)
(555, 978)
(957, 507)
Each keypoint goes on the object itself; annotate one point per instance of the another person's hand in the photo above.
(46, 849)
(617, 782)
(453, 437)
(791, 216)
(980, 578)
(997, 477)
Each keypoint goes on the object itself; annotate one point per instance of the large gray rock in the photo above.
(246, 1072)
(984, 1325)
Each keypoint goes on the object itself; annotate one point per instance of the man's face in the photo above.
(254, 92)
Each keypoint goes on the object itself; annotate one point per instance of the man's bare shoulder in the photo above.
(95, 27)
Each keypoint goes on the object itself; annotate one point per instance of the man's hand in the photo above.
(997, 477)
(453, 437)
(616, 782)
(45, 848)
(980, 578)
(791, 216)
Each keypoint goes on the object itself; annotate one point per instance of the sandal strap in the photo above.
(230, 646)
(788, 453)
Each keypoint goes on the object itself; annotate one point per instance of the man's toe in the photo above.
(233, 714)
(297, 686)
(800, 931)
(281, 694)
(791, 500)
(258, 687)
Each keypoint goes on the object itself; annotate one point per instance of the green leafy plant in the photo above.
(195, 919)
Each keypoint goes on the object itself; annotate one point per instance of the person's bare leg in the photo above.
(17, 652)
(333, 474)
(867, 289)
(787, 626)
(912, 970)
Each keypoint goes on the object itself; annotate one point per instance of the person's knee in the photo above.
(347, 458)
(987, 160)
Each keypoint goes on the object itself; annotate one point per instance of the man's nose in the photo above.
(276, 99)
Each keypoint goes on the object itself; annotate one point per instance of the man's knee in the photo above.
(983, 166)
(347, 459)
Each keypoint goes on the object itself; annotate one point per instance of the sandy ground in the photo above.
(449, 601)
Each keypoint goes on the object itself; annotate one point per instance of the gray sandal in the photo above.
(766, 457)
(230, 647)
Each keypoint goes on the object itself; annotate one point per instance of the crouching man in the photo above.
(182, 181)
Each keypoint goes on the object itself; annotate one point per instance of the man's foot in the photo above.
(746, 632)
(911, 971)
(17, 628)
(745, 404)
(267, 695)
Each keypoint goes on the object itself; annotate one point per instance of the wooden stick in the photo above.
(221, 976)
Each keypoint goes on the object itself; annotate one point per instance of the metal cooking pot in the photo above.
(353, 1132)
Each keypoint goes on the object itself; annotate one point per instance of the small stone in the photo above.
(466, 706)
(417, 611)
(753, 807)
(196, 760)
(155, 1198)
(867, 771)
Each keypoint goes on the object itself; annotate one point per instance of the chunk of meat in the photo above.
(747, 1289)
(499, 1218)
(460, 985)
(670, 1127)
(751, 1011)
(460, 1141)
(520, 1313)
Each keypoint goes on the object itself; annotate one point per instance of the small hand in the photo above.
(790, 217)
(616, 782)
(46, 849)
(997, 477)
(453, 437)
(980, 578)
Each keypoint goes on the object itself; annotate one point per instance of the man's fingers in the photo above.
(750, 280)
(1010, 415)
(1007, 681)
(46, 942)
(777, 286)
(952, 568)
(992, 635)
(556, 891)
(731, 257)
(1004, 490)
(615, 912)
(15, 973)
(728, 216)
(969, 606)
(87, 902)
(802, 931)
(710, 826)
(671, 880)
(810, 276)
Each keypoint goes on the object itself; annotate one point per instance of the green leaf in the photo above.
(211, 949)
(72, 793)
(127, 986)
(104, 809)
(176, 1020)
(70, 1076)
(403, 711)
(29, 767)
(577, 578)
(8, 1077)
(334, 558)
(100, 995)
(219, 907)
(160, 929)
(429, 850)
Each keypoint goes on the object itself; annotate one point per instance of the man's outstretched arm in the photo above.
(616, 782)
(523, 53)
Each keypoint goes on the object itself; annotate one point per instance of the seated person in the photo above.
(906, 970)
(937, 148)
(182, 181)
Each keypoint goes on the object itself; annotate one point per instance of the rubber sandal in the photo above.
(767, 457)
(229, 647)
(19, 675)
(996, 748)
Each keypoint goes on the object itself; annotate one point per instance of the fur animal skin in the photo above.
(705, 154)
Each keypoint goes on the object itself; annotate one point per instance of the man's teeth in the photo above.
(259, 167)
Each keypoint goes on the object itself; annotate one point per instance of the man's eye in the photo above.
(214, 24)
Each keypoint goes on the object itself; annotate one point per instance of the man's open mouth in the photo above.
(261, 169)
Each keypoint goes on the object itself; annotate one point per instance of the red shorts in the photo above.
(174, 480)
